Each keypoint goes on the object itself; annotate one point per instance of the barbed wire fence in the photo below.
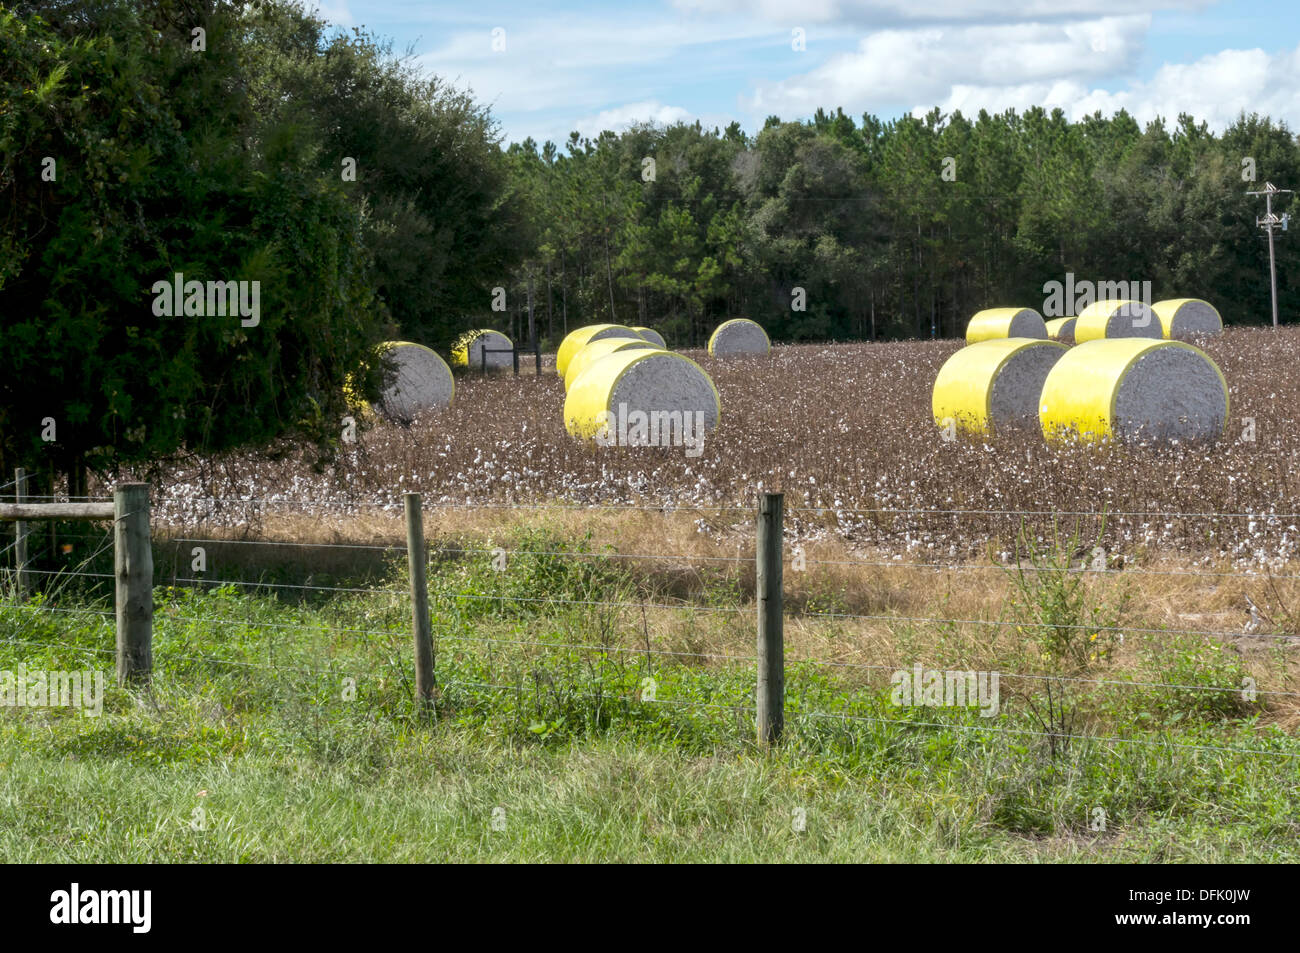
(755, 700)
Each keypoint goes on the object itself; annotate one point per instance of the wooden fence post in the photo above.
(133, 569)
(769, 697)
(416, 560)
(20, 534)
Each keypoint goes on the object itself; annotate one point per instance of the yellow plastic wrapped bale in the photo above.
(577, 339)
(992, 323)
(468, 350)
(739, 337)
(1134, 389)
(642, 397)
(1061, 329)
(653, 336)
(1124, 318)
(994, 385)
(1186, 319)
(420, 380)
(595, 350)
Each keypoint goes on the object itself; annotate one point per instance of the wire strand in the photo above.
(1106, 739)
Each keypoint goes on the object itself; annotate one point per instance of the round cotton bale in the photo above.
(420, 380)
(1185, 319)
(1134, 389)
(1061, 329)
(653, 336)
(994, 323)
(663, 385)
(595, 350)
(994, 385)
(1123, 318)
(468, 350)
(739, 336)
(577, 339)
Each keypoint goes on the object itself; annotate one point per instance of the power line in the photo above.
(1268, 222)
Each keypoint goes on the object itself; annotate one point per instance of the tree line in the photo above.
(836, 229)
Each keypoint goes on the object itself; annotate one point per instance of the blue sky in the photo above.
(590, 66)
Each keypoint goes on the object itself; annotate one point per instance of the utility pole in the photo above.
(532, 326)
(1267, 223)
(532, 329)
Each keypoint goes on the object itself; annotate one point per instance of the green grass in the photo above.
(278, 730)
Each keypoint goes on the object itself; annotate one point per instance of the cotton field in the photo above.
(846, 431)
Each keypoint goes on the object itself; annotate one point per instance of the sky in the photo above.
(550, 68)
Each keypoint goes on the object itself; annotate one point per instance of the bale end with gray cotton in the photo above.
(579, 338)
(1134, 390)
(1123, 318)
(593, 351)
(653, 336)
(483, 347)
(1187, 319)
(994, 385)
(993, 323)
(419, 380)
(739, 337)
(642, 397)
(1061, 329)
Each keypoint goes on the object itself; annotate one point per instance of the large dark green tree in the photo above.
(442, 224)
(140, 140)
(127, 155)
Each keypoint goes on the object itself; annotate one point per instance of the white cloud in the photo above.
(621, 117)
(571, 62)
(1215, 89)
(335, 12)
(929, 64)
(878, 12)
